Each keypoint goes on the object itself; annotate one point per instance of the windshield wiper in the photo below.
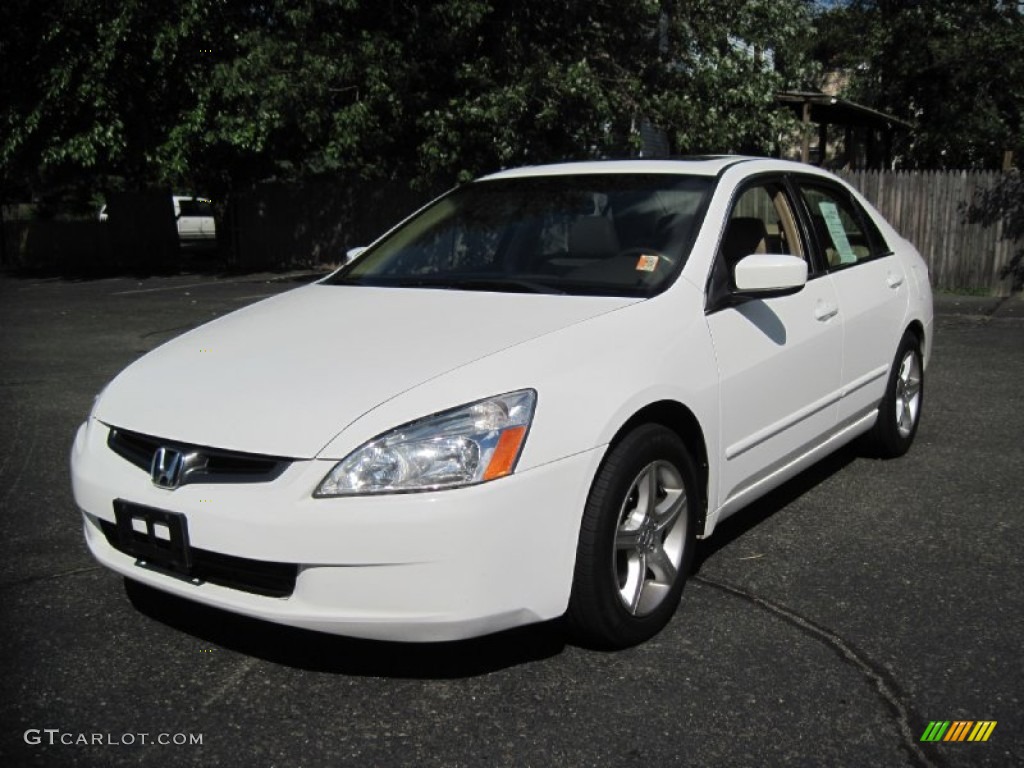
(499, 284)
(513, 284)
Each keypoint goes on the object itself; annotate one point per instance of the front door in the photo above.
(779, 359)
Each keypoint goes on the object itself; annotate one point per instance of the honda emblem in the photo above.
(167, 468)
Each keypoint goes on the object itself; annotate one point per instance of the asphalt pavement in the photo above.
(828, 624)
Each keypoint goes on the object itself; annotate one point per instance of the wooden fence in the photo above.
(929, 208)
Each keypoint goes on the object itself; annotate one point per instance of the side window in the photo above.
(761, 221)
(844, 232)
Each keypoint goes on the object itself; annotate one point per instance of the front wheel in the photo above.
(636, 540)
(899, 413)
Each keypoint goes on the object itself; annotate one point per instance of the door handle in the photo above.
(894, 281)
(824, 311)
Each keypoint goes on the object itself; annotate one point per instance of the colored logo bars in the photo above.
(958, 730)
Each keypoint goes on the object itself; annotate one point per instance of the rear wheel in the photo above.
(899, 413)
(636, 540)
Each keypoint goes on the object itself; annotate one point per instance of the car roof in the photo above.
(707, 165)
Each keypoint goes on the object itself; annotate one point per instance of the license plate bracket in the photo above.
(157, 538)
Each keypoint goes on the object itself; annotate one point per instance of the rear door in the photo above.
(871, 286)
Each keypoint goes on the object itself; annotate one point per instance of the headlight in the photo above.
(470, 444)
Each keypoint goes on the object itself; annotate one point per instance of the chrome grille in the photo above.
(213, 465)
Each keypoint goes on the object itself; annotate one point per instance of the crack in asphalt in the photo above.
(883, 682)
(50, 576)
(232, 680)
(26, 458)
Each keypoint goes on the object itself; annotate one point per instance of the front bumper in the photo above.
(410, 567)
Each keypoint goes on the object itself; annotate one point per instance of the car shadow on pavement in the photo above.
(320, 652)
(732, 528)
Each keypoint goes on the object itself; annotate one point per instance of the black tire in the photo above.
(633, 557)
(899, 413)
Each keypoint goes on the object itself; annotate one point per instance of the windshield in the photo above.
(605, 234)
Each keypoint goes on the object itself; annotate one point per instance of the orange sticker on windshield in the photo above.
(647, 263)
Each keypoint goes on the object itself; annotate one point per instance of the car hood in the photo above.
(284, 376)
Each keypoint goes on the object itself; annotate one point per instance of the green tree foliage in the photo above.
(954, 68)
(91, 86)
(725, 63)
(216, 94)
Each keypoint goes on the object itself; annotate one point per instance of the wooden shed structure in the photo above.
(867, 135)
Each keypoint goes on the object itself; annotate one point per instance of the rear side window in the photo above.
(844, 232)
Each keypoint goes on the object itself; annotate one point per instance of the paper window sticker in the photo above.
(647, 263)
(830, 212)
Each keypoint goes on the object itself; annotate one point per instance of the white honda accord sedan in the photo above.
(526, 401)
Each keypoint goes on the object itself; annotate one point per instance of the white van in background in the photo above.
(193, 218)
